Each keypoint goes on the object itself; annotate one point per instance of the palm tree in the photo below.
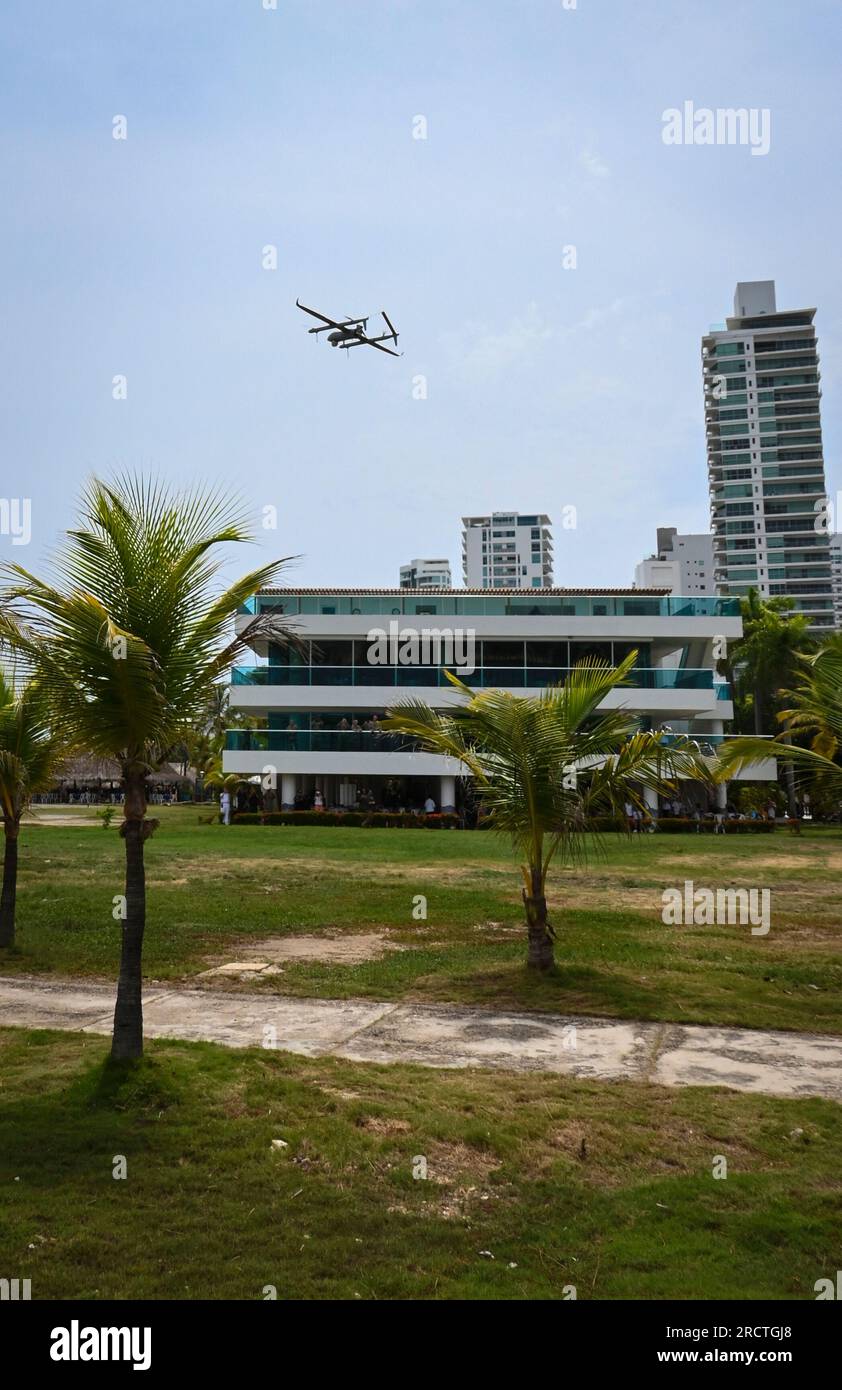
(127, 644)
(765, 659)
(230, 782)
(815, 708)
(546, 765)
(30, 754)
(817, 702)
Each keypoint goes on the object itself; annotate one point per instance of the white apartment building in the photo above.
(426, 574)
(319, 707)
(683, 564)
(507, 551)
(765, 455)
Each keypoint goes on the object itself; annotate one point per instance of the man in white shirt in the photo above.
(430, 806)
(225, 807)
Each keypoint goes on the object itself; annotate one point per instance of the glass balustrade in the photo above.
(459, 603)
(484, 677)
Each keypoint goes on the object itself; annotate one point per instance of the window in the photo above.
(502, 653)
(332, 653)
(580, 650)
(547, 654)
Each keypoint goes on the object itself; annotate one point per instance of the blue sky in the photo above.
(546, 387)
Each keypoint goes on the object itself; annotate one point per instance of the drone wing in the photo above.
(372, 342)
(328, 323)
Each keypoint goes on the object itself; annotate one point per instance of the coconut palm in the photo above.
(30, 755)
(765, 659)
(546, 765)
(127, 643)
(813, 708)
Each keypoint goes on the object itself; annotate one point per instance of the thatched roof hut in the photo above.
(88, 770)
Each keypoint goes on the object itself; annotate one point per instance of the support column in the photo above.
(721, 795)
(287, 791)
(447, 794)
(650, 796)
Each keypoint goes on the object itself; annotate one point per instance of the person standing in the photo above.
(225, 807)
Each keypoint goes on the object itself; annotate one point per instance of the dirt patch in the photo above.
(256, 959)
(301, 869)
(376, 1124)
(804, 862)
(74, 822)
(456, 1187)
(446, 1162)
(348, 949)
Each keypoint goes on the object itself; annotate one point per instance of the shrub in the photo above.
(404, 820)
(681, 825)
(380, 819)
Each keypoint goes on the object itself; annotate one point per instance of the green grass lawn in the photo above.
(608, 1187)
(213, 889)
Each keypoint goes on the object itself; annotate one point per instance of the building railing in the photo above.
(317, 741)
(381, 741)
(484, 677)
(456, 603)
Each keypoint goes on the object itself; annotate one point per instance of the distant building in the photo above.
(765, 457)
(836, 576)
(426, 574)
(682, 564)
(507, 551)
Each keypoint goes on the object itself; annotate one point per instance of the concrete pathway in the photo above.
(781, 1064)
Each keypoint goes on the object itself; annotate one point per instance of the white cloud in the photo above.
(595, 166)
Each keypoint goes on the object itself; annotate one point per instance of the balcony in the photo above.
(508, 603)
(379, 741)
(483, 678)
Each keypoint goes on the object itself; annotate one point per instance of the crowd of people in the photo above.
(638, 820)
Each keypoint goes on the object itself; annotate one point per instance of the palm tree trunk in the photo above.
(789, 783)
(758, 710)
(127, 1039)
(8, 898)
(541, 935)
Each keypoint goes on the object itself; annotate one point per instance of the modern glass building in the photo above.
(765, 457)
(318, 704)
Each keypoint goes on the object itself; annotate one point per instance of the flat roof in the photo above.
(484, 593)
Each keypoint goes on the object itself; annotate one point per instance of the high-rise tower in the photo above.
(764, 450)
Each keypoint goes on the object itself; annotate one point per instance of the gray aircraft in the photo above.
(348, 333)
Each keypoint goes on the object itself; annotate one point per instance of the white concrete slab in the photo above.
(773, 1063)
(783, 1064)
(455, 1037)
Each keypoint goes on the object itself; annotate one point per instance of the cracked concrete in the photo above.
(779, 1063)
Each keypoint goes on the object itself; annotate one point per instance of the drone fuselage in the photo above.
(342, 335)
